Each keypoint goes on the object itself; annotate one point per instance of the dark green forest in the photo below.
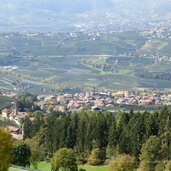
(96, 137)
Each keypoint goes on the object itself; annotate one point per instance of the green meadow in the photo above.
(44, 166)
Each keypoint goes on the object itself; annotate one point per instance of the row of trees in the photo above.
(27, 103)
(96, 137)
(100, 64)
(154, 75)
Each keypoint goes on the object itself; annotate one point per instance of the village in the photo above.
(101, 101)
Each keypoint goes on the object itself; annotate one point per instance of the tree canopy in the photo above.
(97, 136)
(21, 154)
(64, 159)
(6, 145)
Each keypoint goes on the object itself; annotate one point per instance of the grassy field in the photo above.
(43, 166)
(94, 168)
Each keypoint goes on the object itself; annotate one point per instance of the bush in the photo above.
(21, 154)
(97, 157)
(122, 163)
(168, 166)
(64, 159)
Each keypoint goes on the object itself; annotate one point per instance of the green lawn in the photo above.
(94, 168)
(44, 166)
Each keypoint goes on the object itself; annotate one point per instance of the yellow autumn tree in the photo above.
(6, 146)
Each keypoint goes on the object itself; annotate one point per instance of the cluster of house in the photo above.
(7, 93)
(160, 32)
(15, 117)
(101, 100)
(78, 101)
(145, 99)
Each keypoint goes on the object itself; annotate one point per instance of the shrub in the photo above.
(122, 163)
(97, 157)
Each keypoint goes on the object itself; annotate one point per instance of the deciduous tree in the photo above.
(6, 145)
(21, 154)
(64, 159)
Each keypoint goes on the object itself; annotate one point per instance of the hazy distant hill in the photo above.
(63, 15)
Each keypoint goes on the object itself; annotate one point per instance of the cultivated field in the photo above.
(49, 63)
